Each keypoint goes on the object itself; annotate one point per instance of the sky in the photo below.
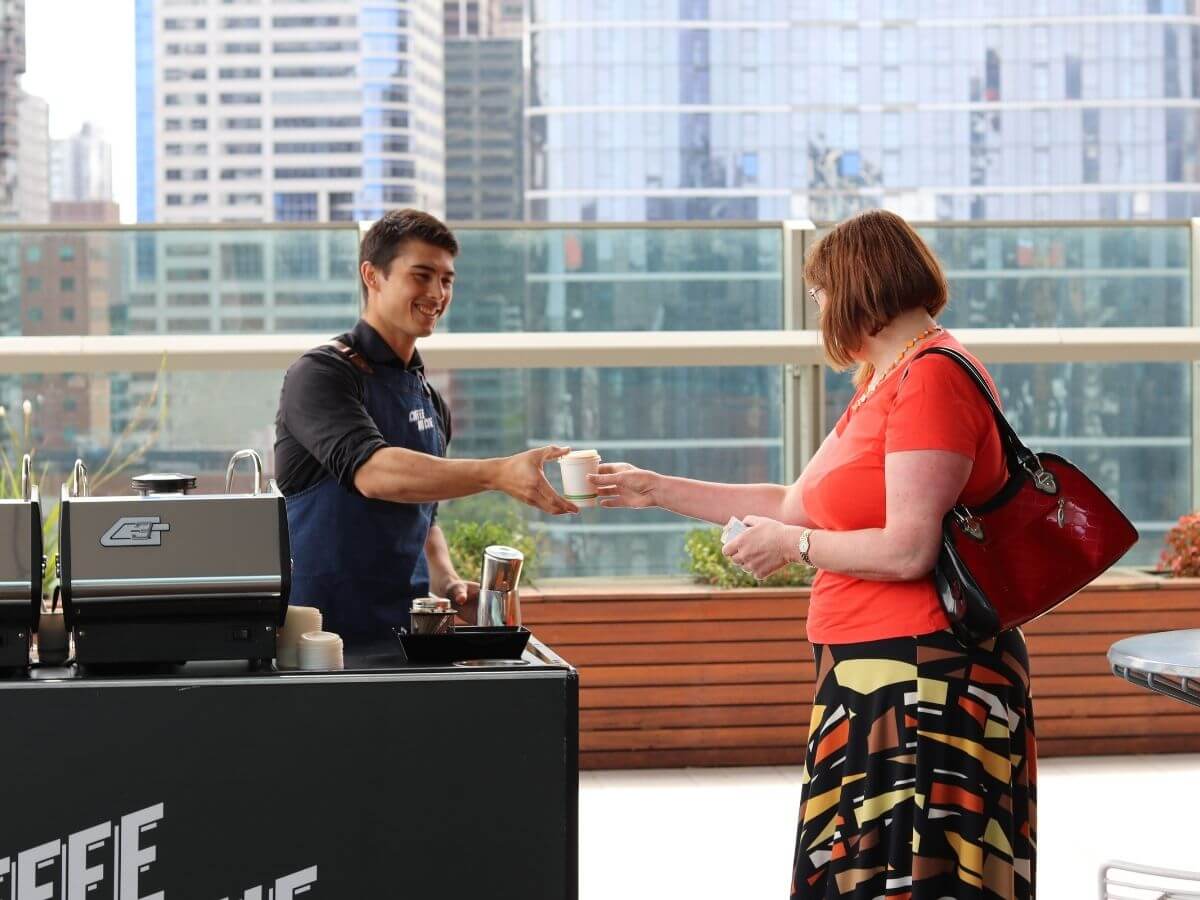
(79, 59)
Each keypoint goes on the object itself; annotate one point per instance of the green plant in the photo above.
(710, 566)
(128, 449)
(1181, 556)
(468, 539)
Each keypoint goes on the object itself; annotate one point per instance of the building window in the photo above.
(187, 24)
(241, 97)
(248, 149)
(33, 253)
(319, 172)
(33, 284)
(233, 72)
(243, 174)
(243, 199)
(242, 261)
(185, 75)
(66, 252)
(318, 122)
(315, 46)
(234, 48)
(34, 314)
(314, 21)
(314, 71)
(66, 284)
(68, 313)
(196, 99)
(292, 207)
(187, 49)
(242, 123)
(306, 147)
(235, 22)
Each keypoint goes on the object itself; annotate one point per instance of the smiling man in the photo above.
(360, 447)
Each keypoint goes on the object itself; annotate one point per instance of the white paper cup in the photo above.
(575, 468)
(320, 650)
(299, 619)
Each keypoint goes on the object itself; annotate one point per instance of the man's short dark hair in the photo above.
(388, 235)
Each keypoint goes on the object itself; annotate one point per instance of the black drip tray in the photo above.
(468, 642)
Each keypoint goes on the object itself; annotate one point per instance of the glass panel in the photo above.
(120, 281)
(713, 423)
(627, 280)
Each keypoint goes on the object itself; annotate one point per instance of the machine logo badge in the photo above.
(135, 531)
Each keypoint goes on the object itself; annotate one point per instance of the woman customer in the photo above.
(920, 768)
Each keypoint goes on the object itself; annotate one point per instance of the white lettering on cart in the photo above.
(132, 851)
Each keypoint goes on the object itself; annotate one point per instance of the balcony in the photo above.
(685, 348)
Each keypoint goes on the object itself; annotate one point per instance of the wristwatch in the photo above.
(803, 547)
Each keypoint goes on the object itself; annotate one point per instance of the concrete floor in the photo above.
(727, 834)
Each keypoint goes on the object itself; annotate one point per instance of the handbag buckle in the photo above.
(1042, 480)
(970, 525)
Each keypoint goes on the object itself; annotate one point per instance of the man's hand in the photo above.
(521, 476)
(621, 484)
(464, 597)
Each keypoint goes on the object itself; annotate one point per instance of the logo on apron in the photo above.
(422, 419)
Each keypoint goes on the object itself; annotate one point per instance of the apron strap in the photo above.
(351, 355)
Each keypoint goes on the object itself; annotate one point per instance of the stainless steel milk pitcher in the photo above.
(499, 598)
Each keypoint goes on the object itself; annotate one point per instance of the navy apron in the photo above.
(362, 561)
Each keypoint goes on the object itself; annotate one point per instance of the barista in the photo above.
(360, 447)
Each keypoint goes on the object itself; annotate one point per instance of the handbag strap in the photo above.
(1014, 448)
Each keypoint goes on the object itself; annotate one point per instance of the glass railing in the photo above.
(1127, 424)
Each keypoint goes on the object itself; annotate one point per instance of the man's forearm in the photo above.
(406, 476)
(437, 554)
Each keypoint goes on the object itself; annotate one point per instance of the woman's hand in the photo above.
(621, 485)
(763, 548)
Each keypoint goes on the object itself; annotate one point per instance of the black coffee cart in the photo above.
(213, 780)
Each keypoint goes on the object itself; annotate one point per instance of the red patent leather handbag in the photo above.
(1048, 532)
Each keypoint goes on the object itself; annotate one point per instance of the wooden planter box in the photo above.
(675, 675)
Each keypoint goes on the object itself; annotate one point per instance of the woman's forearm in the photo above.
(716, 502)
(873, 554)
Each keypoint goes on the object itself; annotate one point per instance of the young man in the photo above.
(360, 446)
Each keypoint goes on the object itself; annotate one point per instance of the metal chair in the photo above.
(1128, 881)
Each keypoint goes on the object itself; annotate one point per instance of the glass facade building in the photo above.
(774, 109)
(483, 129)
(291, 112)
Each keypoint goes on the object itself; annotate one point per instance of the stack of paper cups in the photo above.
(320, 650)
(299, 620)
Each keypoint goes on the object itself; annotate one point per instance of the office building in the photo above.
(702, 110)
(289, 112)
(81, 167)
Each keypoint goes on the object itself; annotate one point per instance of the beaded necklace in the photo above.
(936, 329)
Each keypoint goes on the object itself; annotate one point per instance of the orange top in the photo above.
(937, 407)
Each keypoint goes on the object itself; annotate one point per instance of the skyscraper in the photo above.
(81, 167)
(12, 64)
(484, 112)
(694, 109)
(289, 112)
(33, 161)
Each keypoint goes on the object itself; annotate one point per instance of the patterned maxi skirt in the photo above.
(920, 772)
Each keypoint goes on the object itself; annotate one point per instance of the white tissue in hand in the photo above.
(732, 529)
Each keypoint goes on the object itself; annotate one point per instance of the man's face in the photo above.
(415, 291)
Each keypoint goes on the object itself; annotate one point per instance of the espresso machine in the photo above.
(21, 568)
(167, 575)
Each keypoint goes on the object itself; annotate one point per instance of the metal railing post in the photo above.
(803, 385)
(1194, 277)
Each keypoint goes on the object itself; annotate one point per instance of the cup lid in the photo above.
(499, 551)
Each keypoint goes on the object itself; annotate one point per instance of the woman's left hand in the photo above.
(763, 548)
